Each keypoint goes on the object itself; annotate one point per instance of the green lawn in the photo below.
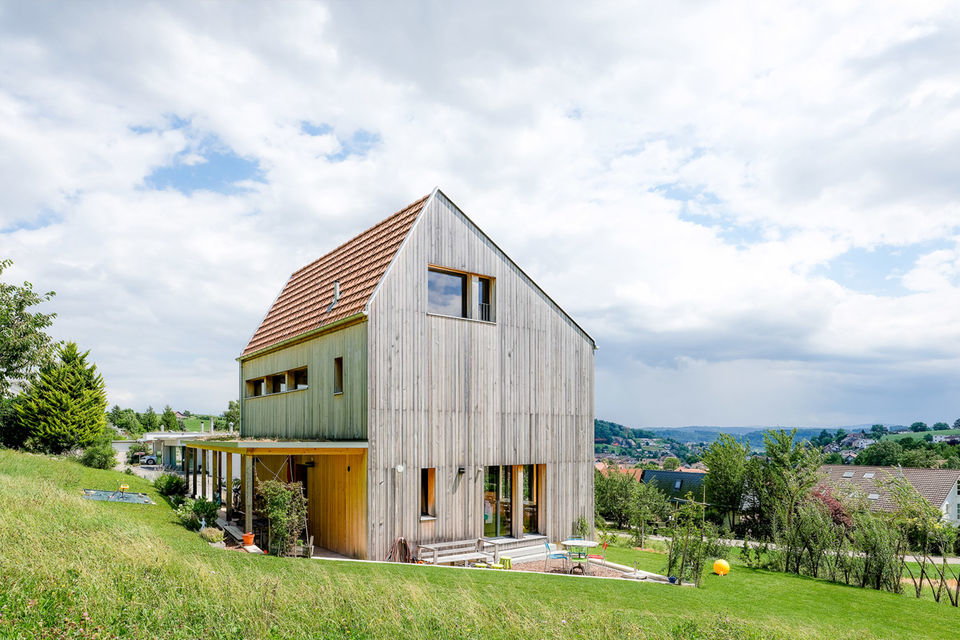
(73, 568)
(919, 435)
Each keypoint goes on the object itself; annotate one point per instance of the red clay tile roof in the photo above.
(358, 264)
(933, 484)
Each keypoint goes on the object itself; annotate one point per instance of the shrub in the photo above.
(99, 456)
(211, 534)
(194, 514)
(286, 509)
(135, 448)
(171, 484)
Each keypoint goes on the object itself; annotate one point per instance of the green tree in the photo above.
(150, 420)
(114, 415)
(169, 419)
(919, 426)
(778, 481)
(614, 495)
(884, 453)
(671, 463)
(878, 430)
(832, 458)
(24, 345)
(940, 426)
(64, 408)
(919, 459)
(956, 423)
(648, 504)
(726, 460)
(232, 414)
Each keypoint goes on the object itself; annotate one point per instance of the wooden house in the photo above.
(420, 385)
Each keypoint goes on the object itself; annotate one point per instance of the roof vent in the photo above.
(336, 295)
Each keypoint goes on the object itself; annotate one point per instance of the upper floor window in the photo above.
(337, 376)
(447, 293)
(460, 295)
(300, 379)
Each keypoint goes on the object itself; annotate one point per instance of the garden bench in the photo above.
(453, 552)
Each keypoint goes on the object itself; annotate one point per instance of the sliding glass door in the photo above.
(497, 508)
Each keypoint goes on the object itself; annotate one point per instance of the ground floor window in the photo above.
(531, 489)
(428, 493)
(497, 507)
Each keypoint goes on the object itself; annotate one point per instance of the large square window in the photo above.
(447, 293)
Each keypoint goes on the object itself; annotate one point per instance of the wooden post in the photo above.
(516, 500)
(229, 483)
(204, 467)
(215, 487)
(193, 465)
(248, 493)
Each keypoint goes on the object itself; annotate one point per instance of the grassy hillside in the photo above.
(919, 435)
(73, 568)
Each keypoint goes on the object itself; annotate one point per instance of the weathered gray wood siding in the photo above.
(315, 412)
(447, 392)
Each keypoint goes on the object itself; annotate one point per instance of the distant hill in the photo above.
(606, 431)
(752, 435)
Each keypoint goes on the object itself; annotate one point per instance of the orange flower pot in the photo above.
(247, 539)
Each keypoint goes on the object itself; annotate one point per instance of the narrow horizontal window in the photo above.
(277, 383)
(300, 379)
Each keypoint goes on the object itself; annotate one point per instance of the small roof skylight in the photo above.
(868, 474)
(848, 474)
(873, 496)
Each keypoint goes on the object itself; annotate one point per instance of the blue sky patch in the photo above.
(877, 271)
(359, 144)
(46, 218)
(220, 170)
(311, 129)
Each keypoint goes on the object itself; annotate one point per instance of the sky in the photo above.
(754, 208)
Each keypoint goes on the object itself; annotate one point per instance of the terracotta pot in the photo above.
(247, 539)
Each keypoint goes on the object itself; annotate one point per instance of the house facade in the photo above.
(421, 386)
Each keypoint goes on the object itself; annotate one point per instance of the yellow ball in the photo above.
(721, 567)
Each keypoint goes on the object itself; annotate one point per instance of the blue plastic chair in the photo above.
(551, 555)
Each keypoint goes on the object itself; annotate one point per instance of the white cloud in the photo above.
(677, 176)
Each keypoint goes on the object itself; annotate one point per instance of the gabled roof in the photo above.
(358, 264)
(933, 484)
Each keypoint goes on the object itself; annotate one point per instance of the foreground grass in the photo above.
(73, 568)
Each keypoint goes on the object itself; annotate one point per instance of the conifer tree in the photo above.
(64, 408)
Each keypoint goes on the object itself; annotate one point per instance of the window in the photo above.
(869, 475)
(255, 388)
(300, 379)
(848, 474)
(277, 383)
(447, 293)
(676, 485)
(428, 493)
(483, 299)
(337, 376)
(873, 496)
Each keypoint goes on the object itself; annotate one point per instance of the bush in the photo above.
(211, 534)
(194, 514)
(171, 484)
(135, 448)
(99, 456)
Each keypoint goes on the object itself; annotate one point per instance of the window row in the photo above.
(460, 295)
(292, 380)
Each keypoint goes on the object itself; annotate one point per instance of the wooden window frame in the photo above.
(265, 383)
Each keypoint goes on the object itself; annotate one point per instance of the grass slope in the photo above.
(919, 435)
(73, 568)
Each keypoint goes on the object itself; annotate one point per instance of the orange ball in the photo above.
(721, 567)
